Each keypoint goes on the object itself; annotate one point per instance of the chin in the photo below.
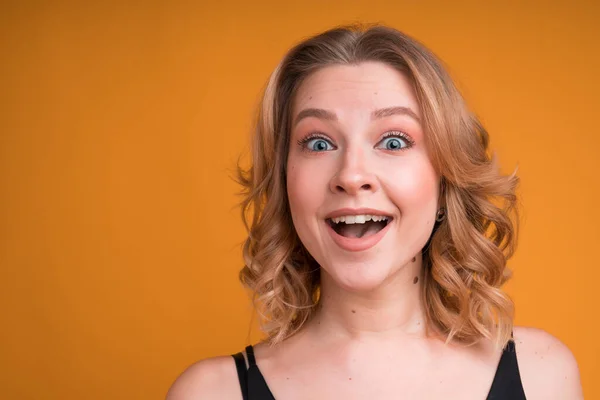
(357, 276)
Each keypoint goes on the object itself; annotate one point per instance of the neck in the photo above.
(393, 309)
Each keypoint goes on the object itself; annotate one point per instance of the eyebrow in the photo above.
(377, 114)
(317, 113)
(389, 111)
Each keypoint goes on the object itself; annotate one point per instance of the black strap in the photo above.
(240, 366)
(250, 354)
(507, 381)
(257, 386)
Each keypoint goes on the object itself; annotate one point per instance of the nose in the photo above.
(354, 175)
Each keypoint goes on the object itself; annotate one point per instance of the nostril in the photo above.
(363, 187)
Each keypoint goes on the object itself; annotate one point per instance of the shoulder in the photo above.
(548, 368)
(212, 378)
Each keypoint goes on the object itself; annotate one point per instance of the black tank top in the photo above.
(506, 385)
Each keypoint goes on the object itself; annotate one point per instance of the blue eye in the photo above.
(318, 144)
(392, 141)
(396, 141)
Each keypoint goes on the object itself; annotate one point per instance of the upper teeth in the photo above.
(359, 219)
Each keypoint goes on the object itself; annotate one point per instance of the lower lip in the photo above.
(357, 244)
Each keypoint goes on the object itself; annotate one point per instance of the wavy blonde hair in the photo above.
(465, 258)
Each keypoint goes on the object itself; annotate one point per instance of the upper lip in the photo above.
(356, 211)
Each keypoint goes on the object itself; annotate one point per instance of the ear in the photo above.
(442, 193)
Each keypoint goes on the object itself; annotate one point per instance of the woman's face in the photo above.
(362, 190)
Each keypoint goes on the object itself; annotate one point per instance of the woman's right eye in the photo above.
(316, 144)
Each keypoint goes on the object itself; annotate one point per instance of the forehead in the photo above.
(363, 87)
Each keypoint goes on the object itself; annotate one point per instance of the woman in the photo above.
(378, 240)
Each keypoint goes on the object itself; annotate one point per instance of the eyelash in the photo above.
(398, 134)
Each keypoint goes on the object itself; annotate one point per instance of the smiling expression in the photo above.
(362, 189)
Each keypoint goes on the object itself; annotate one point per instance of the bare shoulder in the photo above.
(548, 368)
(213, 378)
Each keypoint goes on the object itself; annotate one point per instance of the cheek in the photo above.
(415, 187)
(304, 189)
(306, 195)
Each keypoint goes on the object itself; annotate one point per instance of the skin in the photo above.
(367, 338)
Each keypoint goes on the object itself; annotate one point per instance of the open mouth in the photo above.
(359, 226)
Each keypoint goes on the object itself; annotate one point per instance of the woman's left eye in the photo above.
(396, 141)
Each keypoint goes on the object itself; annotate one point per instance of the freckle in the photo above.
(418, 323)
(375, 93)
(416, 279)
(353, 311)
(349, 379)
(288, 378)
(414, 259)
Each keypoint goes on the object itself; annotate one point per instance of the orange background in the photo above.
(120, 126)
